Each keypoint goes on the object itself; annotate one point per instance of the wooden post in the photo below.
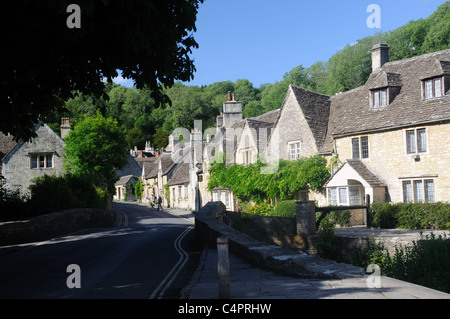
(223, 267)
(366, 215)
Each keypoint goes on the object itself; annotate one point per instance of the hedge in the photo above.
(410, 215)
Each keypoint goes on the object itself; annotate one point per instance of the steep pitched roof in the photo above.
(7, 143)
(316, 109)
(180, 176)
(166, 162)
(350, 112)
(150, 169)
(362, 170)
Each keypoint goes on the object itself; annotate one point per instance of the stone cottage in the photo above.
(23, 161)
(393, 134)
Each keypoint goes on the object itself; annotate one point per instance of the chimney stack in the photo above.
(380, 56)
(65, 127)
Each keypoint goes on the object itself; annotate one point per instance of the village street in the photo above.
(138, 260)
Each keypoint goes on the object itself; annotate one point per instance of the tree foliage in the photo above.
(44, 60)
(139, 114)
(95, 147)
(249, 184)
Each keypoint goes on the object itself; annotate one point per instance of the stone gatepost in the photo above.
(306, 224)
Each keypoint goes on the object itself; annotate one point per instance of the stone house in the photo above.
(393, 134)
(23, 161)
(254, 137)
(125, 188)
(240, 140)
(301, 127)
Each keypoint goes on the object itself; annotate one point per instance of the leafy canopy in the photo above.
(95, 147)
(44, 61)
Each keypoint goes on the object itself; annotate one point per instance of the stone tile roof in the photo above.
(166, 162)
(316, 109)
(350, 112)
(365, 173)
(269, 117)
(124, 180)
(150, 169)
(180, 176)
(7, 143)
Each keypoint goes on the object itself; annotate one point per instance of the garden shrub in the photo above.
(410, 215)
(285, 209)
(426, 263)
(51, 194)
(327, 242)
(263, 209)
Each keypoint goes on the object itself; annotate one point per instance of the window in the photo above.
(345, 195)
(416, 141)
(294, 151)
(247, 157)
(379, 98)
(41, 161)
(225, 198)
(432, 88)
(418, 191)
(360, 147)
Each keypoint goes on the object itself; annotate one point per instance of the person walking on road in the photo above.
(159, 202)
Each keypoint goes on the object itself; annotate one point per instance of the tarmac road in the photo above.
(138, 260)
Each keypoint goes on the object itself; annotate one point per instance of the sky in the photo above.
(261, 40)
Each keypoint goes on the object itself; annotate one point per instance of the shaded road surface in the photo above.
(150, 250)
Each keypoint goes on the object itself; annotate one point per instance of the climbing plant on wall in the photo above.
(249, 184)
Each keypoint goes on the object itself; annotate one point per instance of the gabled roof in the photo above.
(316, 109)
(7, 143)
(166, 162)
(362, 171)
(350, 112)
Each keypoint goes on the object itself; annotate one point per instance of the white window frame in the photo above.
(247, 157)
(294, 150)
(379, 98)
(344, 195)
(432, 89)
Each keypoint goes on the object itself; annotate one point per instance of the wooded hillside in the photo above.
(143, 121)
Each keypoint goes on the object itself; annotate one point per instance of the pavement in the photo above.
(248, 281)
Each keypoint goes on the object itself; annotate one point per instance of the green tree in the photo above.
(95, 147)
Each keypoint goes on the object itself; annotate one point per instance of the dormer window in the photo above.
(432, 88)
(379, 98)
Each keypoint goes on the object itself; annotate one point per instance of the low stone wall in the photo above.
(280, 231)
(52, 225)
